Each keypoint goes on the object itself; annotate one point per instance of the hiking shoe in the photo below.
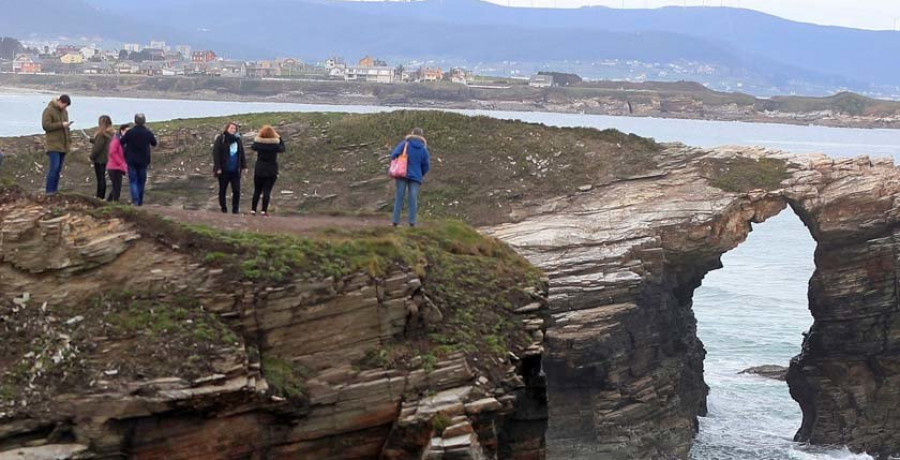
(264, 214)
(252, 212)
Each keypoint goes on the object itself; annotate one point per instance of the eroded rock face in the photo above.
(624, 365)
(847, 377)
(56, 255)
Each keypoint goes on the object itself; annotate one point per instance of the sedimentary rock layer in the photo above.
(624, 365)
(86, 394)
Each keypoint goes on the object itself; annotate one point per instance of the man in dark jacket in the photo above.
(57, 138)
(417, 165)
(137, 142)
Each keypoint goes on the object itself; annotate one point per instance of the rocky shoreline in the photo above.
(646, 104)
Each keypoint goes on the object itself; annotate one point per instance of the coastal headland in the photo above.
(562, 328)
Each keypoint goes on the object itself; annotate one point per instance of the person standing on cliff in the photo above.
(137, 142)
(229, 163)
(417, 165)
(57, 138)
(116, 167)
(100, 152)
(267, 144)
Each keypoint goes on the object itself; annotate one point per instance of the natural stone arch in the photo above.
(623, 361)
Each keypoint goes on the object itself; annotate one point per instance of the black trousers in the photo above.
(115, 177)
(100, 172)
(263, 185)
(233, 179)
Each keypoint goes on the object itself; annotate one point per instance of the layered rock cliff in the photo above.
(624, 365)
(127, 335)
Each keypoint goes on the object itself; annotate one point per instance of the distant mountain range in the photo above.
(738, 43)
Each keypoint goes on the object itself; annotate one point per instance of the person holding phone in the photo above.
(57, 138)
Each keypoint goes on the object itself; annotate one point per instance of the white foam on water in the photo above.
(750, 313)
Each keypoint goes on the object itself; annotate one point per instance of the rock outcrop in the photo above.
(769, 371)
(624, 365)
(121, 340)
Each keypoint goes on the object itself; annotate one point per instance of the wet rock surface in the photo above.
(769, 371)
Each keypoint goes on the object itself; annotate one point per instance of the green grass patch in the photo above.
(335, 252)
(156, 318)
(336, 162)
(741, 175)
(117, 336)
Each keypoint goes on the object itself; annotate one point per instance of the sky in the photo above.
(861, 14)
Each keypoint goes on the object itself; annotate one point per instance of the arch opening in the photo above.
(754, 312)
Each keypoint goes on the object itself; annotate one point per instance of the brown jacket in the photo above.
(100, 146)
(57, 137)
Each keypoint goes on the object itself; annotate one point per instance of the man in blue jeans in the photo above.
(137, 142)
(417, 166)
(57, 138)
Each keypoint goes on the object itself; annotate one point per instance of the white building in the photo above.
(334, 62)
(337, 72)
(541, 81)
(132, 47)
(379, 74)
(157, 45)
(88, 52)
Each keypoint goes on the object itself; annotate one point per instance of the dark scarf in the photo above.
(228, 139)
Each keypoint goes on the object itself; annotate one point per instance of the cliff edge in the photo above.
(129, 335)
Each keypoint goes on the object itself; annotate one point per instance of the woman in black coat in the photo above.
(267, 144)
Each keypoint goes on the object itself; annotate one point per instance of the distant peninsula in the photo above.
(684, 100)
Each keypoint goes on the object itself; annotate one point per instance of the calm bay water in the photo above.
(751, 312)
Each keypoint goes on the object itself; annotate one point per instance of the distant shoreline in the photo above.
(14, 89)
(667, 104)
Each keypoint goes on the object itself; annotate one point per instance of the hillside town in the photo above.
(158, 58)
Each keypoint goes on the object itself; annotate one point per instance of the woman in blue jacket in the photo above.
(417, 166)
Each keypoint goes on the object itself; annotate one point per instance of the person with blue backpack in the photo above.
(229, 162)
(414, 151)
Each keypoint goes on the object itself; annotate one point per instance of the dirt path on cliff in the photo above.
(274, 224)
